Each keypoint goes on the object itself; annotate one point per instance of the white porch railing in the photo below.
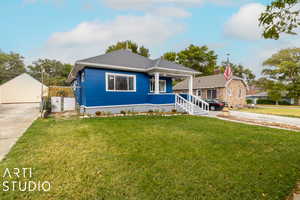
(192, 105)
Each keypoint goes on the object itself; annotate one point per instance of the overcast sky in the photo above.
(69, 30)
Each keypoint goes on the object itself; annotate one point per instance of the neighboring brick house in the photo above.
(232, 92)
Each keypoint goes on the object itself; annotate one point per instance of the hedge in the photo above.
(271, 102)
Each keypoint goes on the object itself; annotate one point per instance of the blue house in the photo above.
(122, 80)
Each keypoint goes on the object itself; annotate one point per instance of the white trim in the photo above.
(165, 88)
(127, 105)
(110, 66)
(156, 83)
(168, 69)
(191, 85)
(82, 77)
(240, 95)
(117, 74)
(125, 68)
(161, 94)
(229, 92)
(211, 89)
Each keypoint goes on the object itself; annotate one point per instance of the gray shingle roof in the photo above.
(126, 58)
(123, 58)
(162, 63)
(213, 81)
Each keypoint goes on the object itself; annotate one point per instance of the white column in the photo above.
(156, 83)
(191, 85)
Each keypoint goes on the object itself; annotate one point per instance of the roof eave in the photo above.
(80, 65)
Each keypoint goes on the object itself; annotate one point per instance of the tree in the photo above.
(199, 58)
(130, 45)
(275, 90)
(240, 71)
(11, 65)
(284, 67)
(171, 56)
(281, 16)
(56, 73)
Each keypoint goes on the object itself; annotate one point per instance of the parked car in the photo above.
(215, 105)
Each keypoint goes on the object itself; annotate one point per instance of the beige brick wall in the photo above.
(236, 99)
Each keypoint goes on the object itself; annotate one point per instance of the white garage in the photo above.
(22, 89)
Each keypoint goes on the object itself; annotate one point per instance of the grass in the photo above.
(286, 112)
(156, 158)
(279, 106)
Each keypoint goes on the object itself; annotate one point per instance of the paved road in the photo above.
(14, 120)
(267, 118)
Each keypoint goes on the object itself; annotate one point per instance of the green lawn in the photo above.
(286, 112)
(156, 158)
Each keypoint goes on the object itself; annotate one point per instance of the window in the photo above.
(211, 93)
(240, 92)
(199, 93)
(82, 77)
(162, 85)
(120, 82)
(229, 92)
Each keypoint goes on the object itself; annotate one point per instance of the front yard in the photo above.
(156, 158)
(280, 111)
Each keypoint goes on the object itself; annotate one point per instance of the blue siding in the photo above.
(93, 92)
(161, 98)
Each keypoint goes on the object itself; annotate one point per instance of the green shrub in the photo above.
(271, 102)
(284, 103)
(266, 101)
(249, 101)
(98, 113)
(123, 112)
(174, 111)
(150, 111)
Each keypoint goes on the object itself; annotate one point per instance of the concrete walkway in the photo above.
(267, 118)
(14, 120)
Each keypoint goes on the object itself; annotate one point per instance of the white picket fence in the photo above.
(61, 104)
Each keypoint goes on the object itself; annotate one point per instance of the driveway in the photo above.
(267, 118)
(14, 120)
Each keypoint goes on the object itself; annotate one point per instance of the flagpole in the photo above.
(226, 92)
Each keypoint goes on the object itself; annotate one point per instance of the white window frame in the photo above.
(82, 78)
(124, 75)
(240, 93)
(211, 93)
(199, 92)
(74, 85)
(152, 81)
(229, 92)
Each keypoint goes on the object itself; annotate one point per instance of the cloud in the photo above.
(171, 12)
(93, 37)
(244, 24)
(144, 4)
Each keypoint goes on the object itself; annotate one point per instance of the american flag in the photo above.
(228, 72)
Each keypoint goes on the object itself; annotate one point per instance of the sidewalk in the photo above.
(267, 118)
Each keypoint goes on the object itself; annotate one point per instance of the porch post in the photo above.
(156, 83)
(191, 85)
